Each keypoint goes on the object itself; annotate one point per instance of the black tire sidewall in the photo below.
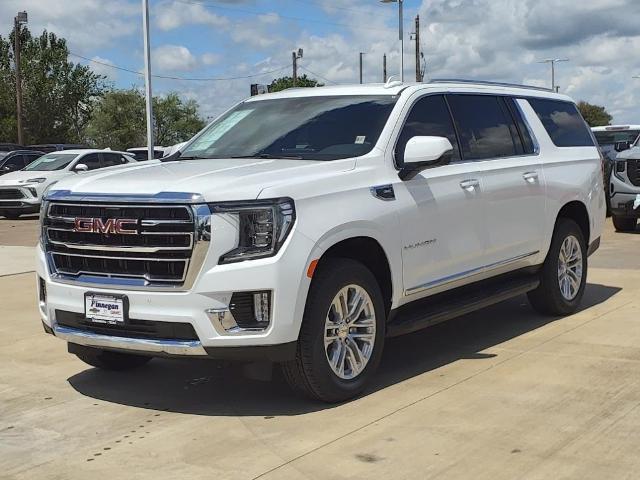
(564, 228)
(335, 275)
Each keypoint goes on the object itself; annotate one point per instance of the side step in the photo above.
(460, 301)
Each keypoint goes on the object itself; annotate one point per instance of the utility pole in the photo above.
(361, 54)
(400, 33)
(417, 39)
(552, 62)
(295, 56)
(147, 77)
(384, 68)
(18, 21)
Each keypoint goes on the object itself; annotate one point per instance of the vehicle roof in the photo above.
(395, 88)
(614, 128)
(11, 152)
(84, 151)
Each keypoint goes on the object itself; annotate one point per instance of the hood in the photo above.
(215, 179)
(624, 155)
(15, 178)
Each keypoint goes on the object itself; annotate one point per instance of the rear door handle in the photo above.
(469, 185)
(530, 177)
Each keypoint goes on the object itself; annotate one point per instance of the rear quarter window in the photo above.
(563, 123)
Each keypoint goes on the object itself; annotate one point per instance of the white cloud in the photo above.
(101, 66)
(173, 58)
(210, 58)
(172, 15)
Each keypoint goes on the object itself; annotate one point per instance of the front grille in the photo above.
(633, 171)
(159, 252)
(10, 194)
(132, 329)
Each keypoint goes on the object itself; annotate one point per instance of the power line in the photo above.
(167, 77)
(317, 75)
(288, 17)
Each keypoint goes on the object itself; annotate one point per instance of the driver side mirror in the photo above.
(622, 146)
(7, 168)
(81, 167)
(425, 152)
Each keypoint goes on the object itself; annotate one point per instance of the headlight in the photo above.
(263, 226)
(34, 180)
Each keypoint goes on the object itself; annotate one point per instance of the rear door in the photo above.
(112, 159)
(494, 134)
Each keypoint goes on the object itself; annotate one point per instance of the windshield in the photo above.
(612, 137)
(303, 128)
(3, 154)
(51, 161)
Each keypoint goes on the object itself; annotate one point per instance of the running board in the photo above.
(460, 301)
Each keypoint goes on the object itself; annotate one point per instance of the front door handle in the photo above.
(530, 177)
(469, 185)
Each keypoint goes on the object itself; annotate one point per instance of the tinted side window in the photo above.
(428, 117)
(563, 123)
(29, 158)
(111, 159)
(483, 127)
(92, 161)
(15, 162)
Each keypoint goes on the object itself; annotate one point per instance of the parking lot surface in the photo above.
(499, 394)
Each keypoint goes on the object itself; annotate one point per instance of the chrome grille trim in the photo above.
(184, 262)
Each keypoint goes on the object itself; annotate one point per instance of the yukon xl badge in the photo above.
(423, 243)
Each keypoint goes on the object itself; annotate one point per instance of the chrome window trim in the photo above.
(468, 273)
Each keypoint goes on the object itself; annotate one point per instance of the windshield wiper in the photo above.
(270, 156)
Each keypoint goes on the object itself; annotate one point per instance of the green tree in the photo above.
(595, 115)
(118, 121)
(283, 83)
(58, 96)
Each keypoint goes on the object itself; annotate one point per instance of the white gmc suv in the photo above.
(304, 227)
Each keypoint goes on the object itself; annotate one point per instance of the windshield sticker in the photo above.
(215, 132)
(360, 139)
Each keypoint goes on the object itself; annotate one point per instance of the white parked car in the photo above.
(21, 191)
(306, 226)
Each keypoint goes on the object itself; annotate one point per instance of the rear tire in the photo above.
(107, 360)
(624, 224)
(353, 341)
(564, 274)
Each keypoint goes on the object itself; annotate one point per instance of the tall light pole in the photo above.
(400, 33)
(18, 21)
(552, 62)
(295, 56)
(361, 54)
(147, 77)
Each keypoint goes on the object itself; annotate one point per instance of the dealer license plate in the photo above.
(104, 309)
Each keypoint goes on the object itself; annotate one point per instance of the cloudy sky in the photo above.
(499, 40)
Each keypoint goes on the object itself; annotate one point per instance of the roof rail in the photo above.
(485, 82)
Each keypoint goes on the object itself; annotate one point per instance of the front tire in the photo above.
(624, 224)
(342, 333)
(564, 273)
(107, 360)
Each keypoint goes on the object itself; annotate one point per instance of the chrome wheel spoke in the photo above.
(350, 332)
(570, 267)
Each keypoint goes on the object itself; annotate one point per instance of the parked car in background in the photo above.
(613, 139)
(624, 188)
(56, 147)
(306, 226)
(8, 147)
(141, 153)
(17, 160)
(21, 191)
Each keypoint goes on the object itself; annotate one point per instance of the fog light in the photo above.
(251, 310)
(33, 192)
(261, 307)
(42, 291)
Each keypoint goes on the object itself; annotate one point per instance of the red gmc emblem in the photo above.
(110, 225)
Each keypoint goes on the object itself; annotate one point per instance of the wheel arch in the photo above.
(577, 211)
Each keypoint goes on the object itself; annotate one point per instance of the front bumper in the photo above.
(625, 198)
(25, 202)
(283, 275)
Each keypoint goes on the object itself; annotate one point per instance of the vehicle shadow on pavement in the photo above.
(207, 387)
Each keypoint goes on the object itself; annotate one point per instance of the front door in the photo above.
(441, 209)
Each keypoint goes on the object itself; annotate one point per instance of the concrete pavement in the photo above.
(499, 394)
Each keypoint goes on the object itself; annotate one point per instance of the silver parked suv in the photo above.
(624, 189)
